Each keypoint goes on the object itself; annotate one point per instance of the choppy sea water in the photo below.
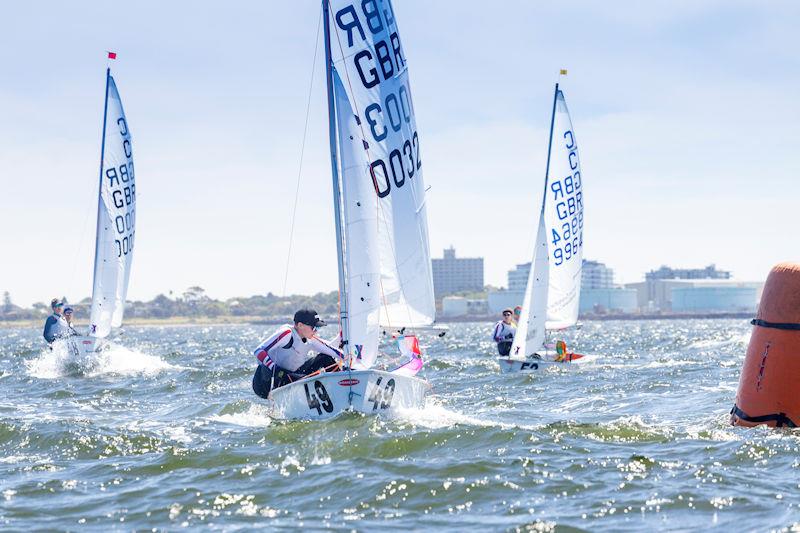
(166, 433)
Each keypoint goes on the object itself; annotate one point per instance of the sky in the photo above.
(686, 115)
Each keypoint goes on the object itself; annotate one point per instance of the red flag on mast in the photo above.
(112, 55)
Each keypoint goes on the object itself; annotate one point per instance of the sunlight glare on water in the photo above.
(163, 430)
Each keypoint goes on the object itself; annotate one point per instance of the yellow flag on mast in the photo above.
(563, 72)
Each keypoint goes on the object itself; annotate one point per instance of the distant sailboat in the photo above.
(552, 295)
(381, 223)
(116, 224)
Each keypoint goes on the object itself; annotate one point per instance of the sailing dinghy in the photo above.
(116, 226)
(552, 295)
(383, 255)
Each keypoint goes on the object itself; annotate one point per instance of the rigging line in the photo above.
(379, 206)
(80, 247)
(302, 153)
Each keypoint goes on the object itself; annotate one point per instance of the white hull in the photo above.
(84, 345)
(330, 394)
(531, 364)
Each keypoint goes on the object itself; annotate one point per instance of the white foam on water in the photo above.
(675, 362)
(177, 434)
(114, 360)
(255, 416)
(743, 338)
(716, 429)
(437, 416)
(27, 460)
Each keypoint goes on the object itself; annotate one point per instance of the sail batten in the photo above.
(116, 218)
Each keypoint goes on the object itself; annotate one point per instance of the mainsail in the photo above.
(563, 215)
(116, 217)
(367, 53)
(553, 290)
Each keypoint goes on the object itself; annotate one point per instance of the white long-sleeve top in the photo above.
(501, 329)
(56, 327)
(287, 349)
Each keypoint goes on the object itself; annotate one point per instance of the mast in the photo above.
(549, 148)
(100, 188)
(337, 194)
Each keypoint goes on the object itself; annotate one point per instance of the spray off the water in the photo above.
(60, 361)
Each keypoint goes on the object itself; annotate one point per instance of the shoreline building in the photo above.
(693, 290)
(596, 275)
(514, 295)
(453, 274)
(651, 278)
(458, 306)
(598, 292)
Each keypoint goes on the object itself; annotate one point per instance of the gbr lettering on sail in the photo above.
(566, 197)
(377, 79)
(120, 189)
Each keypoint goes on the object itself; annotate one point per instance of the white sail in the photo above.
(360, 208)
(116, 219)
(530, 333)
(368, 54)
(563, 211)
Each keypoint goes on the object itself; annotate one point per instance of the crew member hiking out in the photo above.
(55, 327)
(504, 332)
(286, 354)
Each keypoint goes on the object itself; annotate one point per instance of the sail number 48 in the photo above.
(382, 397)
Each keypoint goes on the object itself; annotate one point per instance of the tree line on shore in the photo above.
(193, 303)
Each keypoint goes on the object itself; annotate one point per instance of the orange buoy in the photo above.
(769, 387)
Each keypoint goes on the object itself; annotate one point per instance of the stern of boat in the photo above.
(330, 394)
(81, 345)
(509, 365)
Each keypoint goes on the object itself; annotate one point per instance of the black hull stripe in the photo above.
(780, 418)
(775, 325)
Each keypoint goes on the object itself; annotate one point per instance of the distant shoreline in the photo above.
(171, 321)
(608, 317)
(258, 321)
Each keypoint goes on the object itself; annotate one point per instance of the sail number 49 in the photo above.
(382, 397)
(319, 399)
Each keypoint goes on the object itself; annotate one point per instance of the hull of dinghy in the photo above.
(330, 394)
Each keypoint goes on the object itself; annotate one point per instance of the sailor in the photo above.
(68, 317)
(55, 327)
(285, 356)
(517, 314)
(504, 332)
